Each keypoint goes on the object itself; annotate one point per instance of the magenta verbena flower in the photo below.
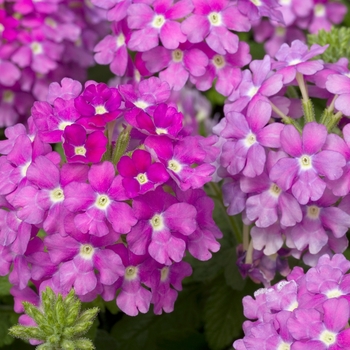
(113, 221)
(308, 311)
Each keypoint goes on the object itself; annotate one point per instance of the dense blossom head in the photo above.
(121, 146)
(42, 42)
(309, 311)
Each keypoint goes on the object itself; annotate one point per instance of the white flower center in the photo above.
(320, 10)
(292, 306)
(100, 110)
(157, 222)
(142, 178)
(256, 2)
(280, 31)
(177, 55)
(50, 22)
(131, 273)
(164, 273)
(253, 90)
(218, 61)
(334, 293)
(158, 21)
(250, 139)
(8, 96)
(294, 62)
(80, 151)
(36, 48)
(275, 190)
(285, 2)
(161, 131)
(284, 346)
(215, 19)
(62, 125)
(305, 162)
(120, 40)
(102, 201)
(174, 165)
(86, 251)
(2, 28)
(24, 169)
(57, 195)
(313, 212)
(328, 337)
(141, 104)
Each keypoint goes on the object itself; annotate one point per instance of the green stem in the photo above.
(285, 118)
(249, 256)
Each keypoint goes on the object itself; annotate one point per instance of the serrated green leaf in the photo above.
(133, 332)
(223, 315)
(232, 276)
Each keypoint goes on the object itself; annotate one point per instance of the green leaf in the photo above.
(104, 341)
(223, 315)
(5, 286)
(232, 276)
(8, 318)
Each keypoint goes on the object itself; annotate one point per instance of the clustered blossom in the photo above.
(289, 181)
(122, 206)
(42, 42)
(307, 311)
(310, 15)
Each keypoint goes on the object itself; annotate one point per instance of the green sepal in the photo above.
(60, 310)
(68, 345)
(338, 40)
(23, 332)
(34, 313)
(84, 344)
(121, 145)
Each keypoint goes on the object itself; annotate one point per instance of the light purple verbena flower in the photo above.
(296, 58)
(308, 161)
(156, 23)
(212, 20)
(309, 311)
(246, 138)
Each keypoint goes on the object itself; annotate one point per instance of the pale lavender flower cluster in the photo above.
(309, 311)
(186, 40)
(42, 42)
(298, 16)
(290, 181)
(121, 205)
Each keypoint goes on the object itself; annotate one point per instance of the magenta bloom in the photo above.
(98, 105)
(139, 174)
(99, 204)
(178, 158)
(162, 225)
(302, 172)
(83, 148)
(157, 22)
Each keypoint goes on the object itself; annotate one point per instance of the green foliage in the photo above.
(223, 315)
(60, 323)
(338, 40)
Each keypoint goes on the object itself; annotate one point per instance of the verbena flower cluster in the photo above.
(298, 16)
(42, 42)
(308, 311)
(290, 179)
(115, 212)
(196, 40)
